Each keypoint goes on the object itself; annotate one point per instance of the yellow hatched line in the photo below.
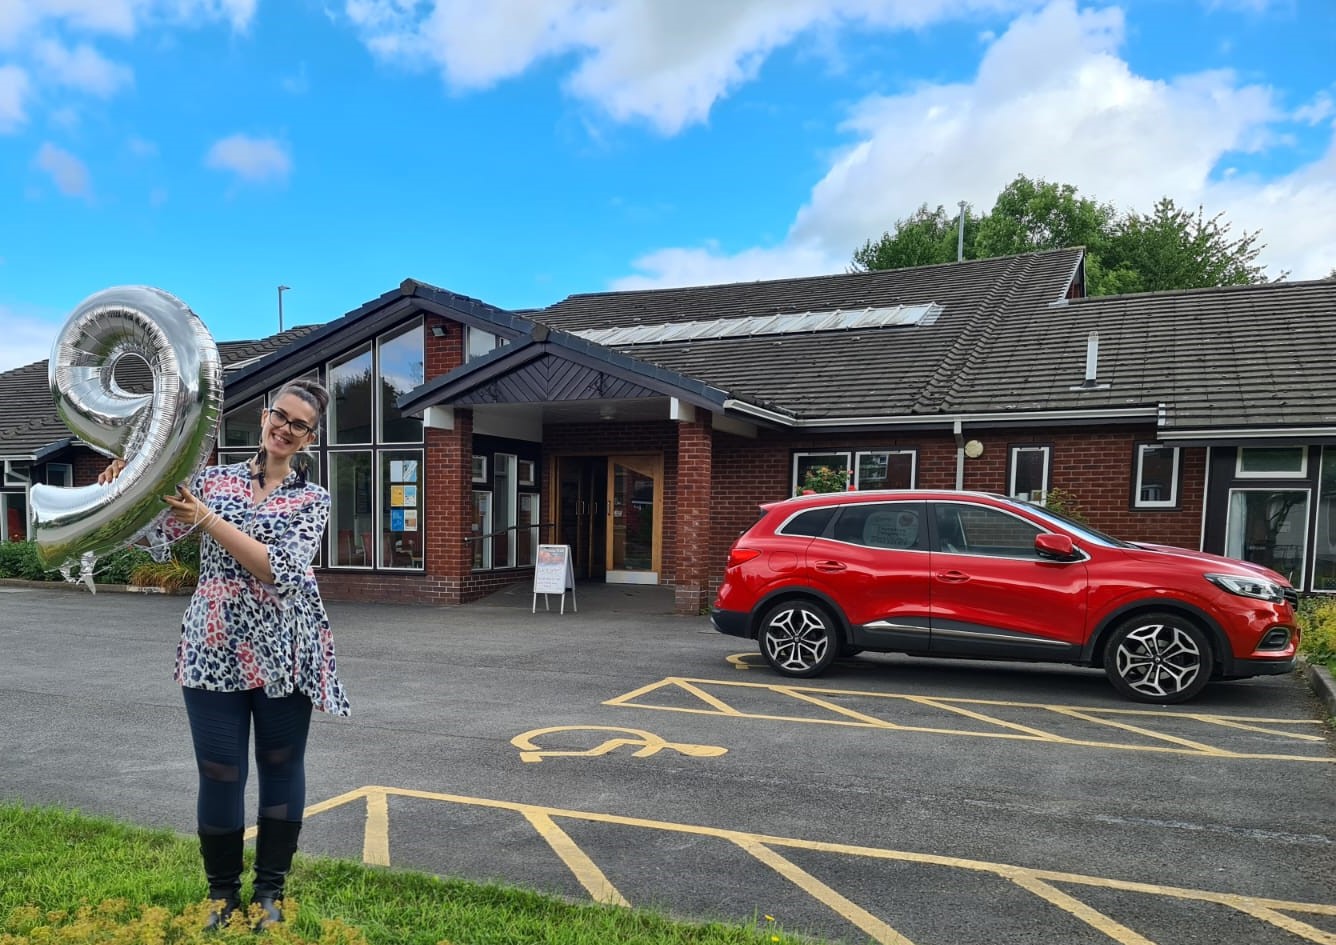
(872, 926)
(1226, 722)
(1070, 904)
(1015, 731)
(761, 846)
(1197, 747)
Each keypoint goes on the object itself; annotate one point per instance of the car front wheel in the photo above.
(798, 638)
(1158, 658)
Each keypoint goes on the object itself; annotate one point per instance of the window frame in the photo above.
(1241, 473)
(798, 456)
(1013, 454)
(858, 466)
(1138, 475)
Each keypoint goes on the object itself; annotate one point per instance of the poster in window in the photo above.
(410, 520)
(397, 497)
(403, 470)
(396, 520)
(410, 496)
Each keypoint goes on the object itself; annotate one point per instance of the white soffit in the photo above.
(793, 323)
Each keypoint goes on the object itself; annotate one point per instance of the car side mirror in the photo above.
(1056, 547)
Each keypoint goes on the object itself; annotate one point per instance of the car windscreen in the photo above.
(1080, 529)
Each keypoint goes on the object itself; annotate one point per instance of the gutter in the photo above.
(953, 421)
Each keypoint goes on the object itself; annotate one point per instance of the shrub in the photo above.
(18, 559)
(825, 479)
(1317, 617)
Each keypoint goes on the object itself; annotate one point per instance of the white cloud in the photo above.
(81, 67)
(665, 63)
(707, 266)
(1052, 99)
(252, 159)
(14, 86)
(27, 338)
(66, 171)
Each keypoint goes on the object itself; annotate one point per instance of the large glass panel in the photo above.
(632, 518)
(352, 517)
(401, 370)
(1273, 462)
(526, 534)
(350, 398)
(401, 544)
(14, 521)
(1269, 527)
(480, 529)
(241, 427)
(1324, 548)
(804, 463)
(503, 510)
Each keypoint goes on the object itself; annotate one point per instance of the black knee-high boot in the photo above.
(275, 844)
(222, 853)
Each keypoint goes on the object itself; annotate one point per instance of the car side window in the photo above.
(975, 529)
(891, 525)
(813, 522)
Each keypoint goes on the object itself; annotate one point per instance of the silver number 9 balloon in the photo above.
(166, 437)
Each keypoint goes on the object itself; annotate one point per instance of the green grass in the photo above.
(71, 879)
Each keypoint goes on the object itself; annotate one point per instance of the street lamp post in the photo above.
(281, 290)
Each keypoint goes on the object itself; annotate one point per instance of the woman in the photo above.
(256, 647)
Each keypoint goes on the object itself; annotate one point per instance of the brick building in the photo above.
(643, 428)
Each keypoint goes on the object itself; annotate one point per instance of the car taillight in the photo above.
(737, 556)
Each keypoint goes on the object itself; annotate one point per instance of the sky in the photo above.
(520, 151)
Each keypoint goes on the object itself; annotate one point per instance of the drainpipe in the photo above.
(960, 455)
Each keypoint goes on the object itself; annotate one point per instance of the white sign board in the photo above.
(554, 574)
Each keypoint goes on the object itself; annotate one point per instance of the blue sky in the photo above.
(519, 151)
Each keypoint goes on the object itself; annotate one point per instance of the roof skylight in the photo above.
(794, 323)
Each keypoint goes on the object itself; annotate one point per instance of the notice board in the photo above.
(554, 573)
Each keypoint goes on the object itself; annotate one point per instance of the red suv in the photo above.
(983, 576)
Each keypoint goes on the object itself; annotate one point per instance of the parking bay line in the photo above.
(763, 847)
(716, 704)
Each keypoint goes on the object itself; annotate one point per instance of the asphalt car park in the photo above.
(624, 755)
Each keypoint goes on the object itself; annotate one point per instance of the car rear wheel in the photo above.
(798, 638)
(1160, 658)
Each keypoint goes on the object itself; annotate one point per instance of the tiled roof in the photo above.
(29, 424)
(1223, 358)
(893, 371)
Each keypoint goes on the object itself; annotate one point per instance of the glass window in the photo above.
(401, 509)
(978, 530)
(805, 463)
(13, 516)
(1157, 476)
(812, 522)
(350, 398)
(1272, 462)
(241, 427)
(1029, 473)
(1269, 527)
(479, 468)
(526, 535)
(890, 525)
(352, 516)
(481, 529)
(503, 510)
(890, 469)
(401, 370)
(478, 342)
(59, 474)
(1324, 549)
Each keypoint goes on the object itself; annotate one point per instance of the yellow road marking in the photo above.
(1091, 917)
(647, 744)
(857, 915)
(376, 837)
(590, 876)
(846, 716)
(762, 846)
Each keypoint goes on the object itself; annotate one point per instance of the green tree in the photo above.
(1169, 248)
(1032, 215)
(1172, 248)
(926, 238)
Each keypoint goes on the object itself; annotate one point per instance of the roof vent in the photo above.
(1092, 365)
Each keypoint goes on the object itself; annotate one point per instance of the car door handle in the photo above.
(830, 566)
(953, 577)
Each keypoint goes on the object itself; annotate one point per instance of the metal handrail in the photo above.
(513, 528)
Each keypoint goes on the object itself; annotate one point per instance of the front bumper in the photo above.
(732, 622)
(1243, 668)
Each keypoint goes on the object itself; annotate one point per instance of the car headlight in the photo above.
(1246, 586)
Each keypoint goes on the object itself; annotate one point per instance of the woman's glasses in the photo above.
(280, 419)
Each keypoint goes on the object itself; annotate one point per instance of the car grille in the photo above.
(1292, 597)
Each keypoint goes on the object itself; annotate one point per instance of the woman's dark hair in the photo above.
(317, 398)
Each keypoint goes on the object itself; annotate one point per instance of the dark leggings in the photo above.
(220, 724)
